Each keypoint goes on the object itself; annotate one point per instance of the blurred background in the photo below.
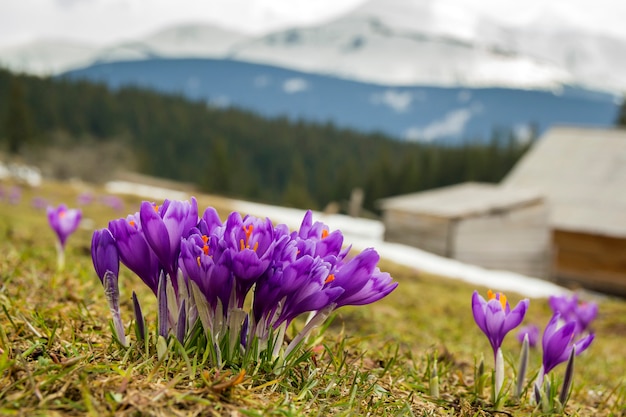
(336, 106)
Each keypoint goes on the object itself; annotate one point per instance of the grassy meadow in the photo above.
(58, 358)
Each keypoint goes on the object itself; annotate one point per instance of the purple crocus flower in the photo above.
(207, 268)
(495, 317)
(292, 289)
(164, 226)
(361, 280)
(315, 239)
(251, 243)
(533, 334)
(134, 251)
(558, 342)
(63, 221)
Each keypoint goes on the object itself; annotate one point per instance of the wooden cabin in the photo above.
(476, 223)
(582, 174)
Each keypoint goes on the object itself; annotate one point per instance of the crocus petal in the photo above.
(515, 316)
(156, 234)
(104, 253)
(494, 322)
(556, 345)
(478, 309)
(134, 251)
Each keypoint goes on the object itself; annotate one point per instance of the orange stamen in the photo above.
(329, 278)
(246, 245)
(248, 231)
(498, 296)
(205, 239)
(205, 249)
(156, 208)
(324, 233)
(62, 214)
(132, 223)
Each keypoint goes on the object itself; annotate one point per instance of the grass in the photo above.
(58, 357)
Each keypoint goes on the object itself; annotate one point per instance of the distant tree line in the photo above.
(238, 153)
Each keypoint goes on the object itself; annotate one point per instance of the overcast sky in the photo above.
(108, 21)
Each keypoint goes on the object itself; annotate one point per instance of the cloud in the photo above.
(295, 85)
(452, 124)
(262, 81)
(398, 101)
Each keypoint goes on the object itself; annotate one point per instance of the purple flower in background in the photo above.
(113, 201)
(558, 342)
(533, 334)
(563, 304)
(15, 195)
(571, 309)
(495, 317)
(586, 312)
(63, 221)
(39, 203)
(84, 198)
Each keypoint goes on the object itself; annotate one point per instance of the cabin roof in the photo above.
(582, 173)
(464, 200)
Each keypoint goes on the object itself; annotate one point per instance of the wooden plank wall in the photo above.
(516, 240)
(591, 261)
(425, 232)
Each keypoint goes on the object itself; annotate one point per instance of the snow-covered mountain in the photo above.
(367, 49)
(187, 41)
(390, 42)
(47, 57)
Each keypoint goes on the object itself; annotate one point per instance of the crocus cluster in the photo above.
(566, 336)
(243, 280)
(64, 222)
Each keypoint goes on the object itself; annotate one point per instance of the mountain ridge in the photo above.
(389, 42)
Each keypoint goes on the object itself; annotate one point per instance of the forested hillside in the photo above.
(230, 151)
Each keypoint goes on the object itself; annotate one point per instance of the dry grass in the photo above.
(58, 357)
